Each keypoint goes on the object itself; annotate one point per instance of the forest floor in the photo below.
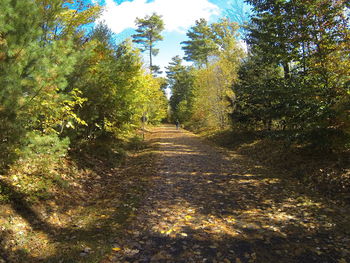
(182, 199)
(208, 204)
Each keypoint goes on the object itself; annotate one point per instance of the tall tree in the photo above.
(180, 80)
(269, 32)
(207, 41)
(310, 40)
(200, 44)
(148, 34)
(35, 61)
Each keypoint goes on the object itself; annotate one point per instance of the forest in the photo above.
(64, 87)
(74, 101)
(290, 89)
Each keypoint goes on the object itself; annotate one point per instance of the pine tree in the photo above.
(310, 40)
(200, 44)
(35, 62)
(148, 34)
(180, 80)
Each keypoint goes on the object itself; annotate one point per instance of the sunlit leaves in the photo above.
(309, 41)
(201, 95)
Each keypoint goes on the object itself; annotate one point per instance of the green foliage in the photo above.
(200, 95)
(43, 152)
(116, 88)
(200, 44)
(207, 41)
(36, 172)
(148, 33)
(180, 79)
(108, 86)
(59, 82)
(295, 77)
(34, 65)
(257, 93)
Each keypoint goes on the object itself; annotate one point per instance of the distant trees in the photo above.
(294, 79)
(148, 33)
(181, 80)
(200, 94)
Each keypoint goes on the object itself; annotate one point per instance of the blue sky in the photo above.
(178, 16)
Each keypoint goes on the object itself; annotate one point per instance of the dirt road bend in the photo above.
(210, 205)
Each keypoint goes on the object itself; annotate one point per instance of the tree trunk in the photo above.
(150, 59)
(286, 70)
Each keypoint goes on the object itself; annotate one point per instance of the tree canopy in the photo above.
(61, 81)
(294, 78)
(148, 34)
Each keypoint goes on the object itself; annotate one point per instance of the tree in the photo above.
(34, 66)
(180, 80)
(238, 12)
(200, 44)
(269, 32)
(150, 100)
(148, 34)
(62, 87)
(258, 94)
(310, 40)
(207, 41)
(200, 95)
(116, 88)
(212, 88)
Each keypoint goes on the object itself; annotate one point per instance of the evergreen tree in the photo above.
(200, 44)
(33, 71)
(36, 59)
(207, 41)
(180, 80)
(148, 34)
(269, 32)
(309, 39)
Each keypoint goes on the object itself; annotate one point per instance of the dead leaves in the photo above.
(197, 202)
(218, 213)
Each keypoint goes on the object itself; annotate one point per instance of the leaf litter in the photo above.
(208, 205)
(182, 200)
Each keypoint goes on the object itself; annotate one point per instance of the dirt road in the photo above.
(209, 205)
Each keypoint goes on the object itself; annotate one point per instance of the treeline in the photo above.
(65, 84)
(294, 79)
(200, 92)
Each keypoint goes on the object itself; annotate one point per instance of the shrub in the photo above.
(35, 172)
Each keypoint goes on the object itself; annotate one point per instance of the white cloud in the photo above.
(178, 15)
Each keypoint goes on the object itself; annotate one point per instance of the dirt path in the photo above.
(207, 205)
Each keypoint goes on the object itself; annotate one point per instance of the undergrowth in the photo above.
(55, 198)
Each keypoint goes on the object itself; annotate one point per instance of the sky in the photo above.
(178, 17)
